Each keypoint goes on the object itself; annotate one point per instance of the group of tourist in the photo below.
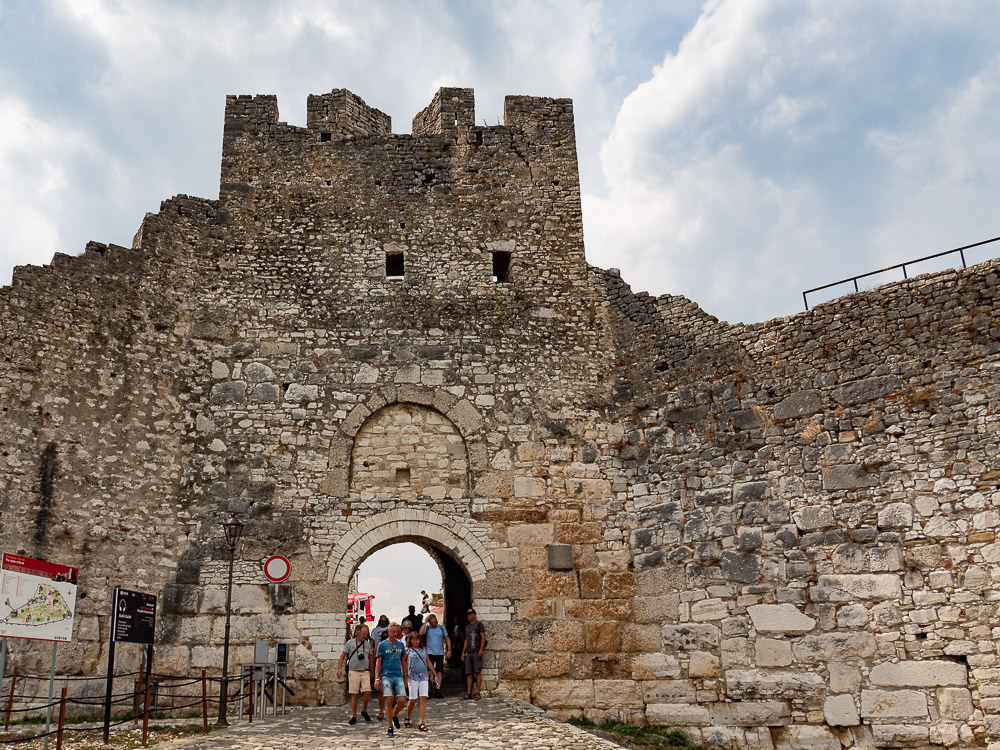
(404, 664)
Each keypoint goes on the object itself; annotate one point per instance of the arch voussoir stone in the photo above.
(376, 531)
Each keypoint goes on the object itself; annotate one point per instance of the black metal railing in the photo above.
(959, 250)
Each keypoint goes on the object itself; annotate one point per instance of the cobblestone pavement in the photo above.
(490, 723)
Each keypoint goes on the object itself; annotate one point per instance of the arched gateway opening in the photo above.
(462, 556)
(404, 564)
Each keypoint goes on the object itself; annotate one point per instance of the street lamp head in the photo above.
(233, 529)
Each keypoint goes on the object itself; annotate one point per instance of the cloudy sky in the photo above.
(734, 151)
(396, 575)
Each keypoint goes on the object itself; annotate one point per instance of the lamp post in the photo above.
(233, 530)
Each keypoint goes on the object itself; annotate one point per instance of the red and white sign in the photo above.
(37, 599)
(277, 568)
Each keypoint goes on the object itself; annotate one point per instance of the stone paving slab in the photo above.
(488, 724)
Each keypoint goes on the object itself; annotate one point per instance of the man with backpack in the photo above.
(438, 648)
(360, 668)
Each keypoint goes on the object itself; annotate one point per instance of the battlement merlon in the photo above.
(451, 110)
(342, 113)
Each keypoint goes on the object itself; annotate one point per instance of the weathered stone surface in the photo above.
(841, 711)
(703, 664)
(780, 618)
(743, 684)
(847, 477)
(955, 703)
(847, 588)
(895, 516)
(751, 713)
(900, 735)
(924, 673)
(798, 405)
(740, 566)
(770, 652)
(867, 389)
(893, 704)
(690, 637)
(807, 738)
(677, 715)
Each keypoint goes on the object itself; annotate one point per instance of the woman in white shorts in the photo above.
(419, 672)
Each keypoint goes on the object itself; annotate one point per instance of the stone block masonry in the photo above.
(779, 535)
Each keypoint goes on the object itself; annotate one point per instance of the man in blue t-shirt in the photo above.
(389, 674)
(438, 649)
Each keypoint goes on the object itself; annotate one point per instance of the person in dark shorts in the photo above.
(438, 648)
(472, 655)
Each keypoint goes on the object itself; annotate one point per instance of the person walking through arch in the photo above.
(472, 655)
(379, 634)
(419, 676)
(438, 649)
(380, 631)
(417, 621)
(389, 675)
(357, 653)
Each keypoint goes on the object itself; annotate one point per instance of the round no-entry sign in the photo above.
(277, 568)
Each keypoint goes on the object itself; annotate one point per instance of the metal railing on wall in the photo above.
(959, 250)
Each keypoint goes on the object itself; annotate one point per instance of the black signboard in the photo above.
(134, 617)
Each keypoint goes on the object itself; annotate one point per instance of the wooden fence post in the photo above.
(204, 702)
(62, 719)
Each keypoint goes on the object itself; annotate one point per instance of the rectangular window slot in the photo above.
(324, 137)
(501, 267)
(402, 476)
(394, 266)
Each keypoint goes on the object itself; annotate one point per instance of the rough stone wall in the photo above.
(772, 535)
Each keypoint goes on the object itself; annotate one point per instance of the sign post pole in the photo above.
(3, 660)
(111, 667)
(52, 685)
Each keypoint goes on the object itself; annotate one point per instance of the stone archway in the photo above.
(404, 524)
(422, 526)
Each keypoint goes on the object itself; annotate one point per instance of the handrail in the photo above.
(960, 250)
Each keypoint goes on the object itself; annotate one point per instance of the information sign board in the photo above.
(134, 617)
(37, 599)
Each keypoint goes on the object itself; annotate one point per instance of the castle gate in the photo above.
(772, 535)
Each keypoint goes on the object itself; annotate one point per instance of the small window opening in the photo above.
(402, 225)
(324, 137)
(394, 268)
(403, 476)
(501, 267)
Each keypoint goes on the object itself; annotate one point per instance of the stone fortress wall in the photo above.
(771, 535)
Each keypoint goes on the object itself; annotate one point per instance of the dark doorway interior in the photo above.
(457, 600)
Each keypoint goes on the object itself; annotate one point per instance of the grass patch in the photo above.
(642, 738)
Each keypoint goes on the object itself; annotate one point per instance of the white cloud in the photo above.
(395, 575)
(39, 153)
(788, 144)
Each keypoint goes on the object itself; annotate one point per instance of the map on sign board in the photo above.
(37, 599)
